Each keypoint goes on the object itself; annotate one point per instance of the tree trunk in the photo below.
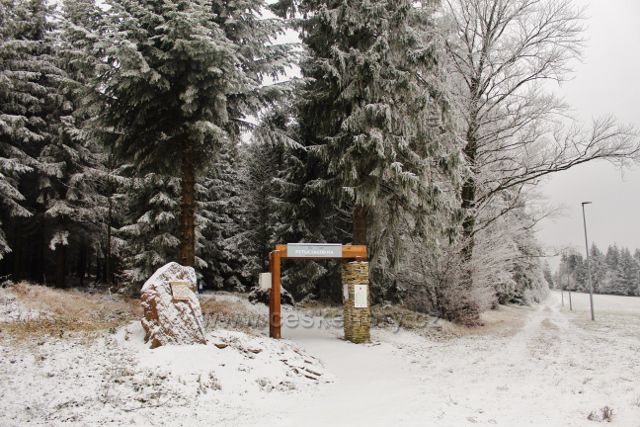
(469, 222)
(468, 194)
(466, 309)
(41, 265)
(108, 255)
(17, 264)
(187, 215)
(359, 226)
(82, 262)
(61, 260)
(98, 268)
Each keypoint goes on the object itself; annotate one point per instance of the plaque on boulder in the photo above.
(172, 316)
(181, 290)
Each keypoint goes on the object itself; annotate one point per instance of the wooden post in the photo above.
(274, 312)
(271, 295)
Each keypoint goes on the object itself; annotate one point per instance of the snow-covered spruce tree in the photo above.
(636, 257)
(572, 273)
(263, 166)
(565, 276)
(226, 244)
(376, 125)
(629, 273)
(180, 76)
(617, 272)
(302, 212)
(224, 196)
(282, 206)
(18, 135)
(73, 208)
(221, 223)
(81, 194)
(614, 281)
(372, 116)
(598, 268)
(76, 208)
(130, 222)
(38, 108)
(152, 230)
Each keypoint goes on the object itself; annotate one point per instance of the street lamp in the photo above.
(586, 245)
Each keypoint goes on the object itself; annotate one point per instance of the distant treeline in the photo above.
(615, 272)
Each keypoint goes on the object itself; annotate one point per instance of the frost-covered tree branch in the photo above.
(501, 54)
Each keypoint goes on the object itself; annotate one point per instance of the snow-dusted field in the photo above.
(607, 304)
(553, 369)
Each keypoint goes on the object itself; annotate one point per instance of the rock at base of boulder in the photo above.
(262, 295)
(167, 321)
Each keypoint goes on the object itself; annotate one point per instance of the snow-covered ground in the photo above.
(12, 310)
(608, 304)
(553, 369)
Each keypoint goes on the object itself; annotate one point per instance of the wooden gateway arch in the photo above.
(302, 251)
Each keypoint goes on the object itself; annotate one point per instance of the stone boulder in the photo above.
(167, 321)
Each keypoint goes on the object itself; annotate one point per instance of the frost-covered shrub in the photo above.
(434, 283)
(507, 258)
(506, 268)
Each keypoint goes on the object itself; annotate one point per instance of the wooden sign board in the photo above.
(314, 250)
(181, 290)
(360, 296)
(265, 281)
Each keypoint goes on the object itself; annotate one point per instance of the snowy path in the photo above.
(370, 380)
(553, 372)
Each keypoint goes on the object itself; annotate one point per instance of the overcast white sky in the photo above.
(606, 82)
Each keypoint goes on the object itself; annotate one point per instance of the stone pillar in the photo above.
(356, 314)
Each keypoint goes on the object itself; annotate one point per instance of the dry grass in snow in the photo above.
(33, 311)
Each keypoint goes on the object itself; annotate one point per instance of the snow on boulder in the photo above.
(167, 320)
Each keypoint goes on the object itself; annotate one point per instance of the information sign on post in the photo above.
(314, 250)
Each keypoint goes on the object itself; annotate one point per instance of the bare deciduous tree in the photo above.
(502, 51)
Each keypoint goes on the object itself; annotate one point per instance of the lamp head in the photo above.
(586, 203)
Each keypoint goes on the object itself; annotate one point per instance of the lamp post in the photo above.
(569, 289)
(586, 245)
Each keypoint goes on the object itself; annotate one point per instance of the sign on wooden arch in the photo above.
(303, 252)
